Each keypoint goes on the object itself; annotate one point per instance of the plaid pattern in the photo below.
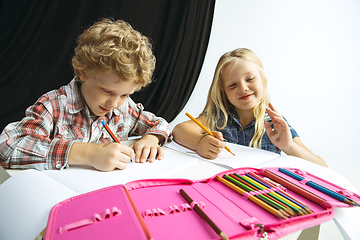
(43, 138)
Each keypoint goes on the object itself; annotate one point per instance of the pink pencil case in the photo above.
(108, 214)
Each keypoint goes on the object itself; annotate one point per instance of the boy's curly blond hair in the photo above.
(114, 45)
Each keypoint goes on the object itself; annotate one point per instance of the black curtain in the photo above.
(38, 37)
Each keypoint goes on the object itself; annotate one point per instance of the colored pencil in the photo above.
(206, 130)
(288, 205)
(110, 132)
(318, 187)
(309, 195)
(203, 215)
(138, 215)
(255, 200)
(280, 192)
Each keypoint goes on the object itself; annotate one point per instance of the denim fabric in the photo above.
(235, 133)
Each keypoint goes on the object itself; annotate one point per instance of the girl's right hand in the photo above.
(210, 147)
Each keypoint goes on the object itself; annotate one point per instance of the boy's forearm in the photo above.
(78, 154)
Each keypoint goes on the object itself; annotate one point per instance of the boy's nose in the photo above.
(114, 102)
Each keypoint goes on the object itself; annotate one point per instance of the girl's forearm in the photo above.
(304, 153)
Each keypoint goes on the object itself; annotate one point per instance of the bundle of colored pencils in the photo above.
(265, 194)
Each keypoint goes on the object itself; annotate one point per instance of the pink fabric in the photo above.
(87, 216)
(304, 181)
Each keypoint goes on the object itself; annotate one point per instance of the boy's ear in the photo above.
(81, 77)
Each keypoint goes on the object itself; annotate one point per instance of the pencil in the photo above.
(280, 192)
(318, 187)
(110, 132)
(138, 215)
(206, 130)
(266, 197)
(255, 200)
(293, 187)
(203, 215)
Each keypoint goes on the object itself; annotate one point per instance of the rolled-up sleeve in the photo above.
(30, 144)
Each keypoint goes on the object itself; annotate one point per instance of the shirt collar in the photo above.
(75, 101)
(235, 118)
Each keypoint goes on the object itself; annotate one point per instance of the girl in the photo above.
(238, 110)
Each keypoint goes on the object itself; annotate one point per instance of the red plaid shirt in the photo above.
(43, 138)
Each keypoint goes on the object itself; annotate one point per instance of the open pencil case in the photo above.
(161, 212)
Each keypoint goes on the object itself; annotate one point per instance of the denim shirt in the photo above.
(235, 133)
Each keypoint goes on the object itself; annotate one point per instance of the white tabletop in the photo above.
(176, 164)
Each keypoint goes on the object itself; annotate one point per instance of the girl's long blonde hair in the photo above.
(218, 106)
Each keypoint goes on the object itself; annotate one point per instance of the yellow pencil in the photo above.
(206, 130)
(251, 198)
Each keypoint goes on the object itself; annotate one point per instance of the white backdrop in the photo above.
(311, 54)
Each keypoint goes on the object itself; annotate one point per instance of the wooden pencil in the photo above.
(206, 130)
(255, 200)
(110, 132)
(138, 215)
(281, 192)
(203, 215)
(293, 187)
(318, 187)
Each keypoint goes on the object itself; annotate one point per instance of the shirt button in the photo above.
(58, 166)
(240, 130)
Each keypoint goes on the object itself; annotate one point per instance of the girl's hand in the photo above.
(210, 147)
(280, 136)
(147, 148)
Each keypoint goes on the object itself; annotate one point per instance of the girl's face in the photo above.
(105, 91)
(243, 85)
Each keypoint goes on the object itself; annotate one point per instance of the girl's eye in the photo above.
(124, 96)
(232, 85)
(250, 79)
(106, 91)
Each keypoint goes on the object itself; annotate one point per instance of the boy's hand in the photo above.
(109, 156)
(102, 156)
(280, 136)
(147, 148)
(210, 147)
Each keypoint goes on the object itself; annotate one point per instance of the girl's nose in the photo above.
(243, 88)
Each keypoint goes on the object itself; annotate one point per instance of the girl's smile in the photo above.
(246, 97)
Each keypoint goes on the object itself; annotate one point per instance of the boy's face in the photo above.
(105, 91)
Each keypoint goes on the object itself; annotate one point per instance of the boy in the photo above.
(64, 127)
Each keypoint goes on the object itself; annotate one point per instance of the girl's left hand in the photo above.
(280, 135)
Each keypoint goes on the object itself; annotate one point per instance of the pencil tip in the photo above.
(223, 236)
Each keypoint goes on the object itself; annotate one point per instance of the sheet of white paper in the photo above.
(25, 203)
(84, 180)
(244, 156)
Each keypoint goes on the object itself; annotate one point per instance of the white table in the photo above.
(186, 166)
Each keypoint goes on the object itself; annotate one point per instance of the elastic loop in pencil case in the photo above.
(96, 218)
(249, 223)
(345, 193)
(304, 181)
(300, 172)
